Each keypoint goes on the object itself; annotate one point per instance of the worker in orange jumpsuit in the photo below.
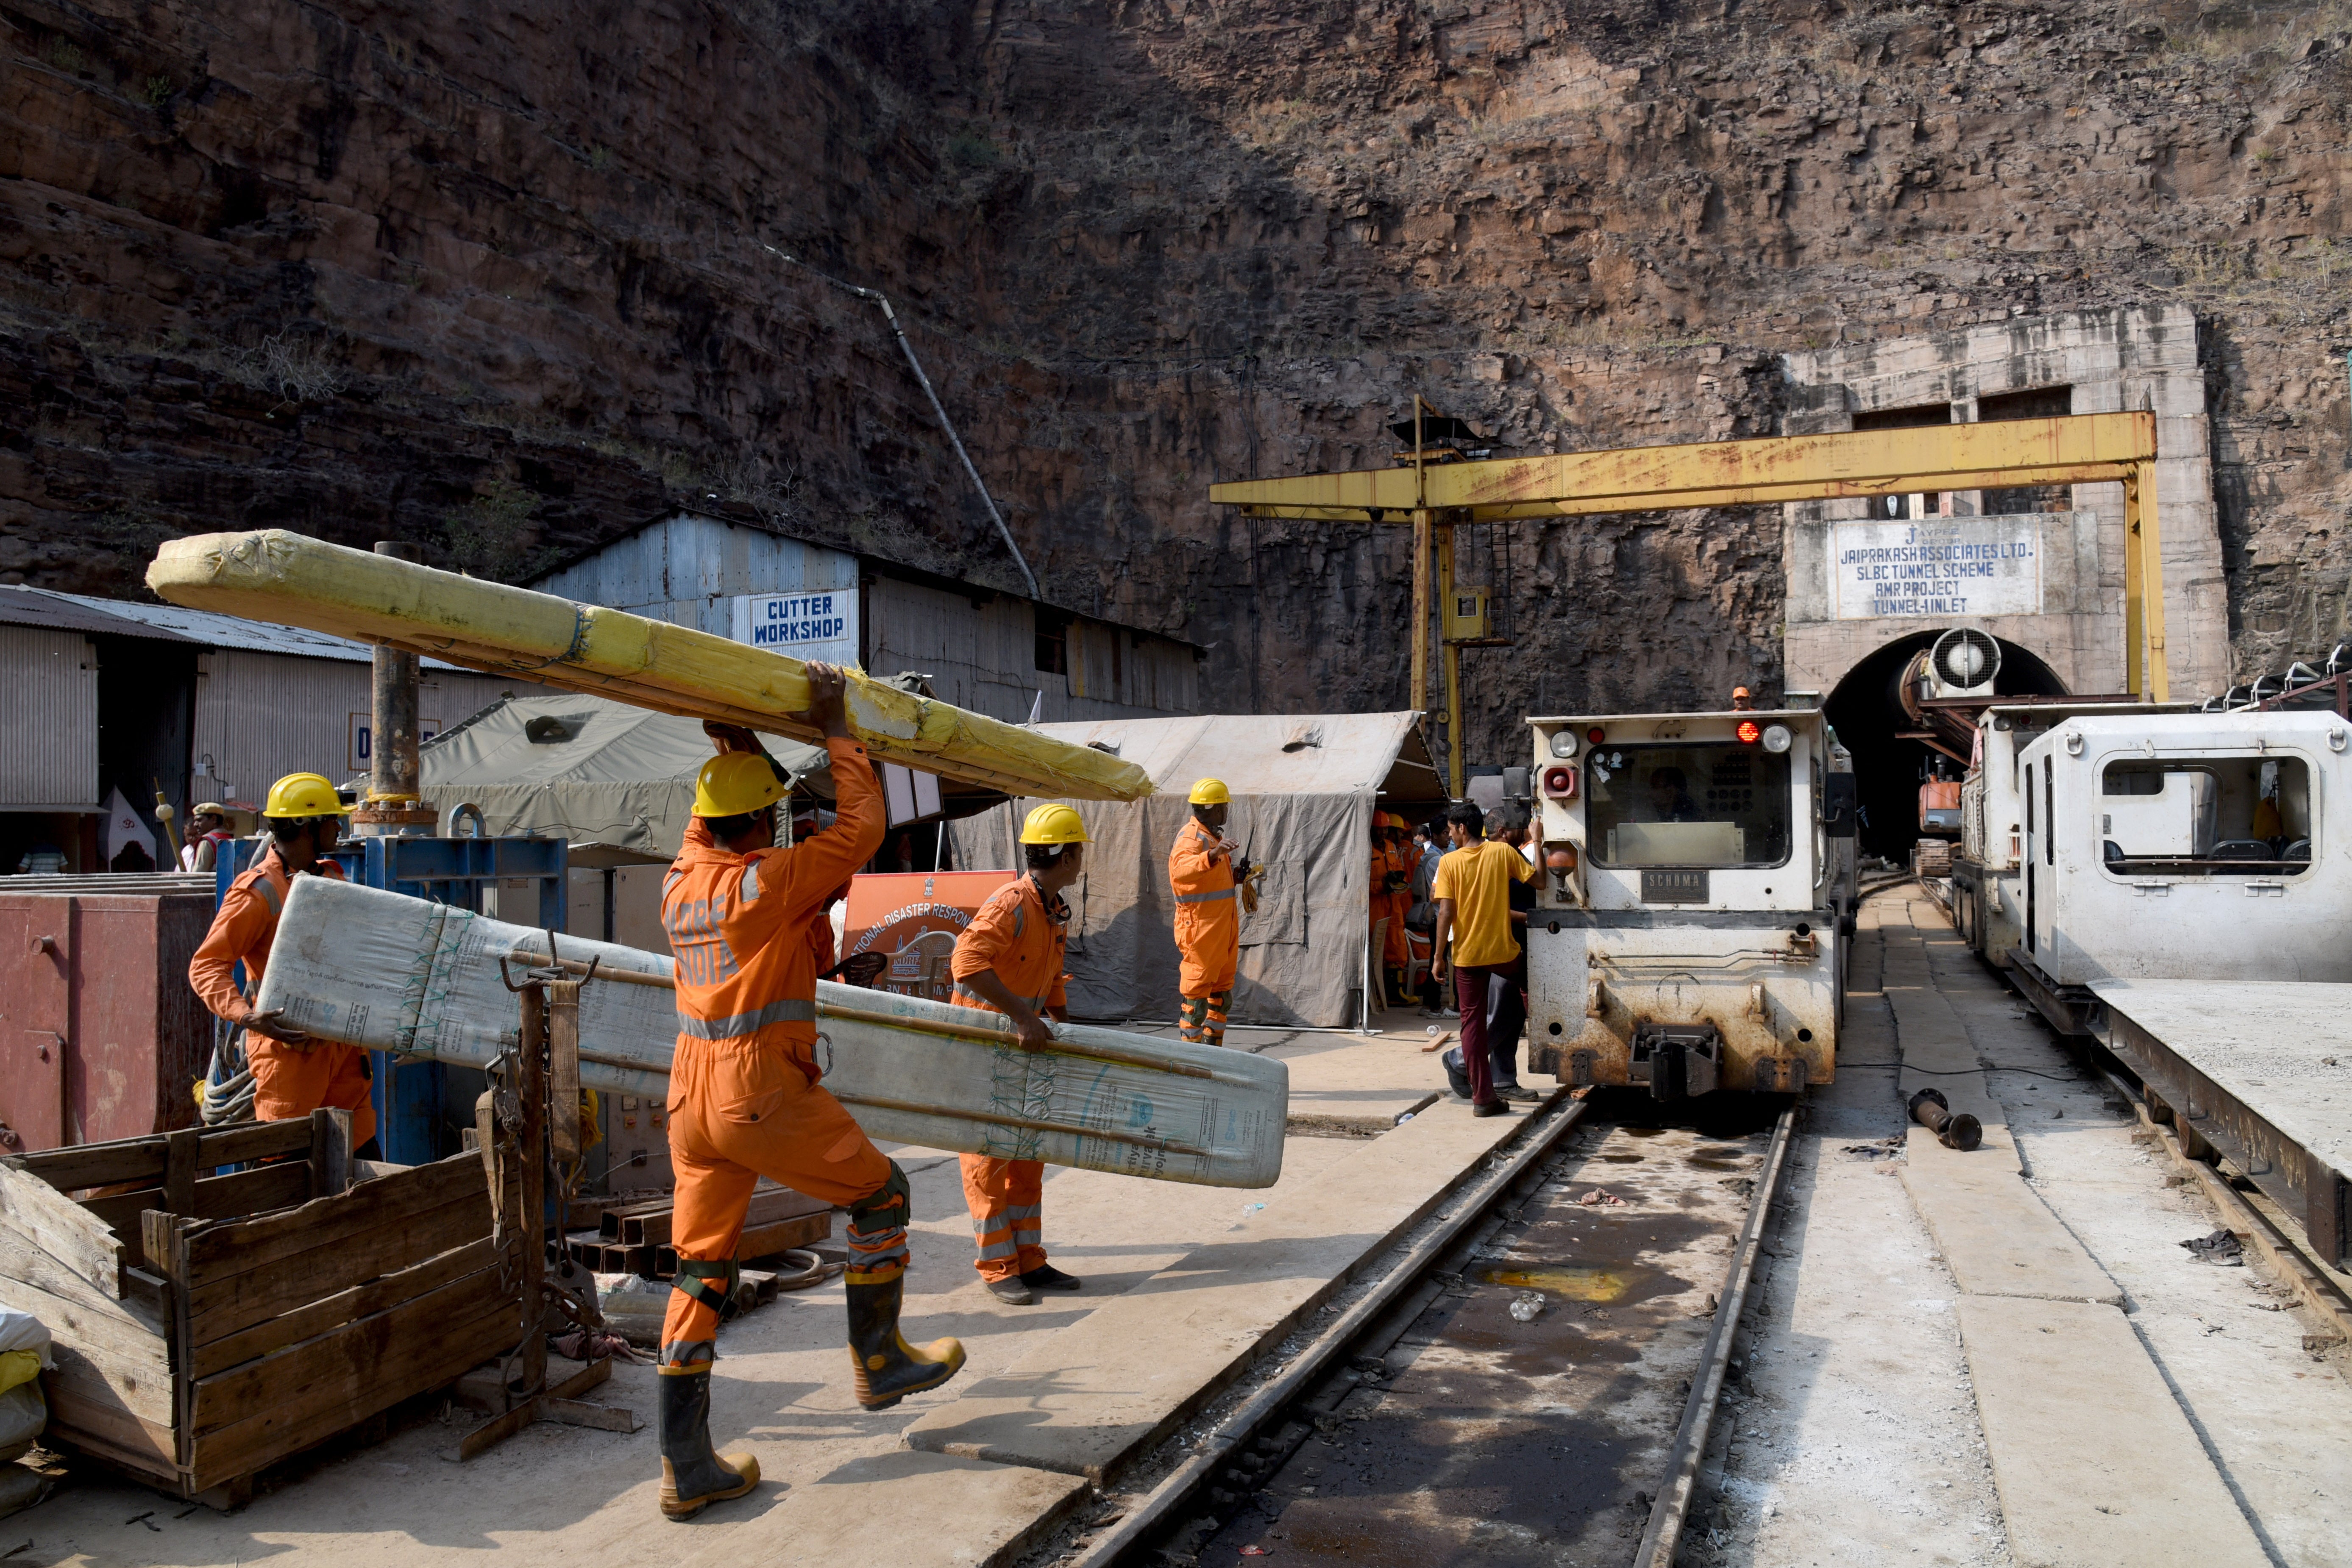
(1384, 869)
(293, 1074)
(744, 1100)
(1009, 961)
(1392, 897)
(1205, 867)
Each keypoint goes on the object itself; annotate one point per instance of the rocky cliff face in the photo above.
(502, 279)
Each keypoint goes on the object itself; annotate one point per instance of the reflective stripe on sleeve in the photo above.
(792, 1010)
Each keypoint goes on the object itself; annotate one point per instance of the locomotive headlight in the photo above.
(1563, 743)
(1776, 737)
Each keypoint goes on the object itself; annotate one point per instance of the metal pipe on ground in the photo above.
(1933, 1112)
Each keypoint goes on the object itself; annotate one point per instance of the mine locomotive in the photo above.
(1696, 875)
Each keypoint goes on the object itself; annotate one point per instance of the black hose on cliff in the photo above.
(955, 440)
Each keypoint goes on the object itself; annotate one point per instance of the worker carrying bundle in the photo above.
(1009, 961)
(1204, 867)
(293, 1074)
(744, 1100)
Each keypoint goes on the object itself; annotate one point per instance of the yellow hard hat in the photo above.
(1054, 824)
(1211, 792)
(736, 782)
(304, 795)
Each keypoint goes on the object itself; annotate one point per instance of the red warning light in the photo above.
(1595, 736)
(1749, 732)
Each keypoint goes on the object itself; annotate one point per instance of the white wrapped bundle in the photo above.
(391, 972)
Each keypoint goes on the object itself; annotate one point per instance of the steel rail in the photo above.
(1473, 1204)
(1666, 1516)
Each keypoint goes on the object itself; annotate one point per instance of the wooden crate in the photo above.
(207, 1327)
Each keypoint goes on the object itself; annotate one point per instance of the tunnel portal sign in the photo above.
(1935, 567)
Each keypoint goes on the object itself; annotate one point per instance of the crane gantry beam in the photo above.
(2074, 449)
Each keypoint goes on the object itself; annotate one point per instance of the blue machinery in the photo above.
(409, 1095)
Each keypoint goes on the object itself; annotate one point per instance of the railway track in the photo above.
(1530, 1377)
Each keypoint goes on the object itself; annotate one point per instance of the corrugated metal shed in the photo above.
(22, 606)
(48, 747)
(108, 693)
(199, 626)
(261, 716)
(982, 648)
(985, 656)
(687, 569)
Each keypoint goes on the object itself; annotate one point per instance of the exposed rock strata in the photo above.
(494, 277)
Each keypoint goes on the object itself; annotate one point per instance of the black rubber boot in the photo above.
(693, 1478)
(888, 1367)
(1046, 1277)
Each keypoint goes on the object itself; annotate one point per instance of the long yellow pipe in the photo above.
(294, 580)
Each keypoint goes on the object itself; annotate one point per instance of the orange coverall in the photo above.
(820, 937)
(743, 1096)
(288, 1081)
(1395, 953)
(1019, 936)
(1208, 934)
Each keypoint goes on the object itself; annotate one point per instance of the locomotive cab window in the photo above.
(2215, 816)
(1722, 807)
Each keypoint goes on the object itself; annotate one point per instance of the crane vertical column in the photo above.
(1453, 661)
(2139, 497)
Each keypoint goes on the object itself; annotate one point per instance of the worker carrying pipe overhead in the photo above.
(745, 1101)
(1205, 867)
(1009, 961)
(293, 1074)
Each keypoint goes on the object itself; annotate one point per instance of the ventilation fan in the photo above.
(1963, 664)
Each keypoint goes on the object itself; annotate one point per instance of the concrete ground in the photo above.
(2003, 1357)
(562, 1494)
(2184, 1425)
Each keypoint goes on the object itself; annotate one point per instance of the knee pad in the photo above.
(710, 1282)
(886, 1206)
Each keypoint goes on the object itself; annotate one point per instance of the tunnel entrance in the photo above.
(1866, 710)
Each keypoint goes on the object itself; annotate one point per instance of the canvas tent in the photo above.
(593, 770)
(1304, 791)
(586, 769)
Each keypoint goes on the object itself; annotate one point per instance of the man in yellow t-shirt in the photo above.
(1473, 894)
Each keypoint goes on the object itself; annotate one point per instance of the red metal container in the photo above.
(100, 1036)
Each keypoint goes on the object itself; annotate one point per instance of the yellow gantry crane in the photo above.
(1435, 497)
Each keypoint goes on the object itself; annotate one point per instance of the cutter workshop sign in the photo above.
(1935, 566)
(820, 625)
